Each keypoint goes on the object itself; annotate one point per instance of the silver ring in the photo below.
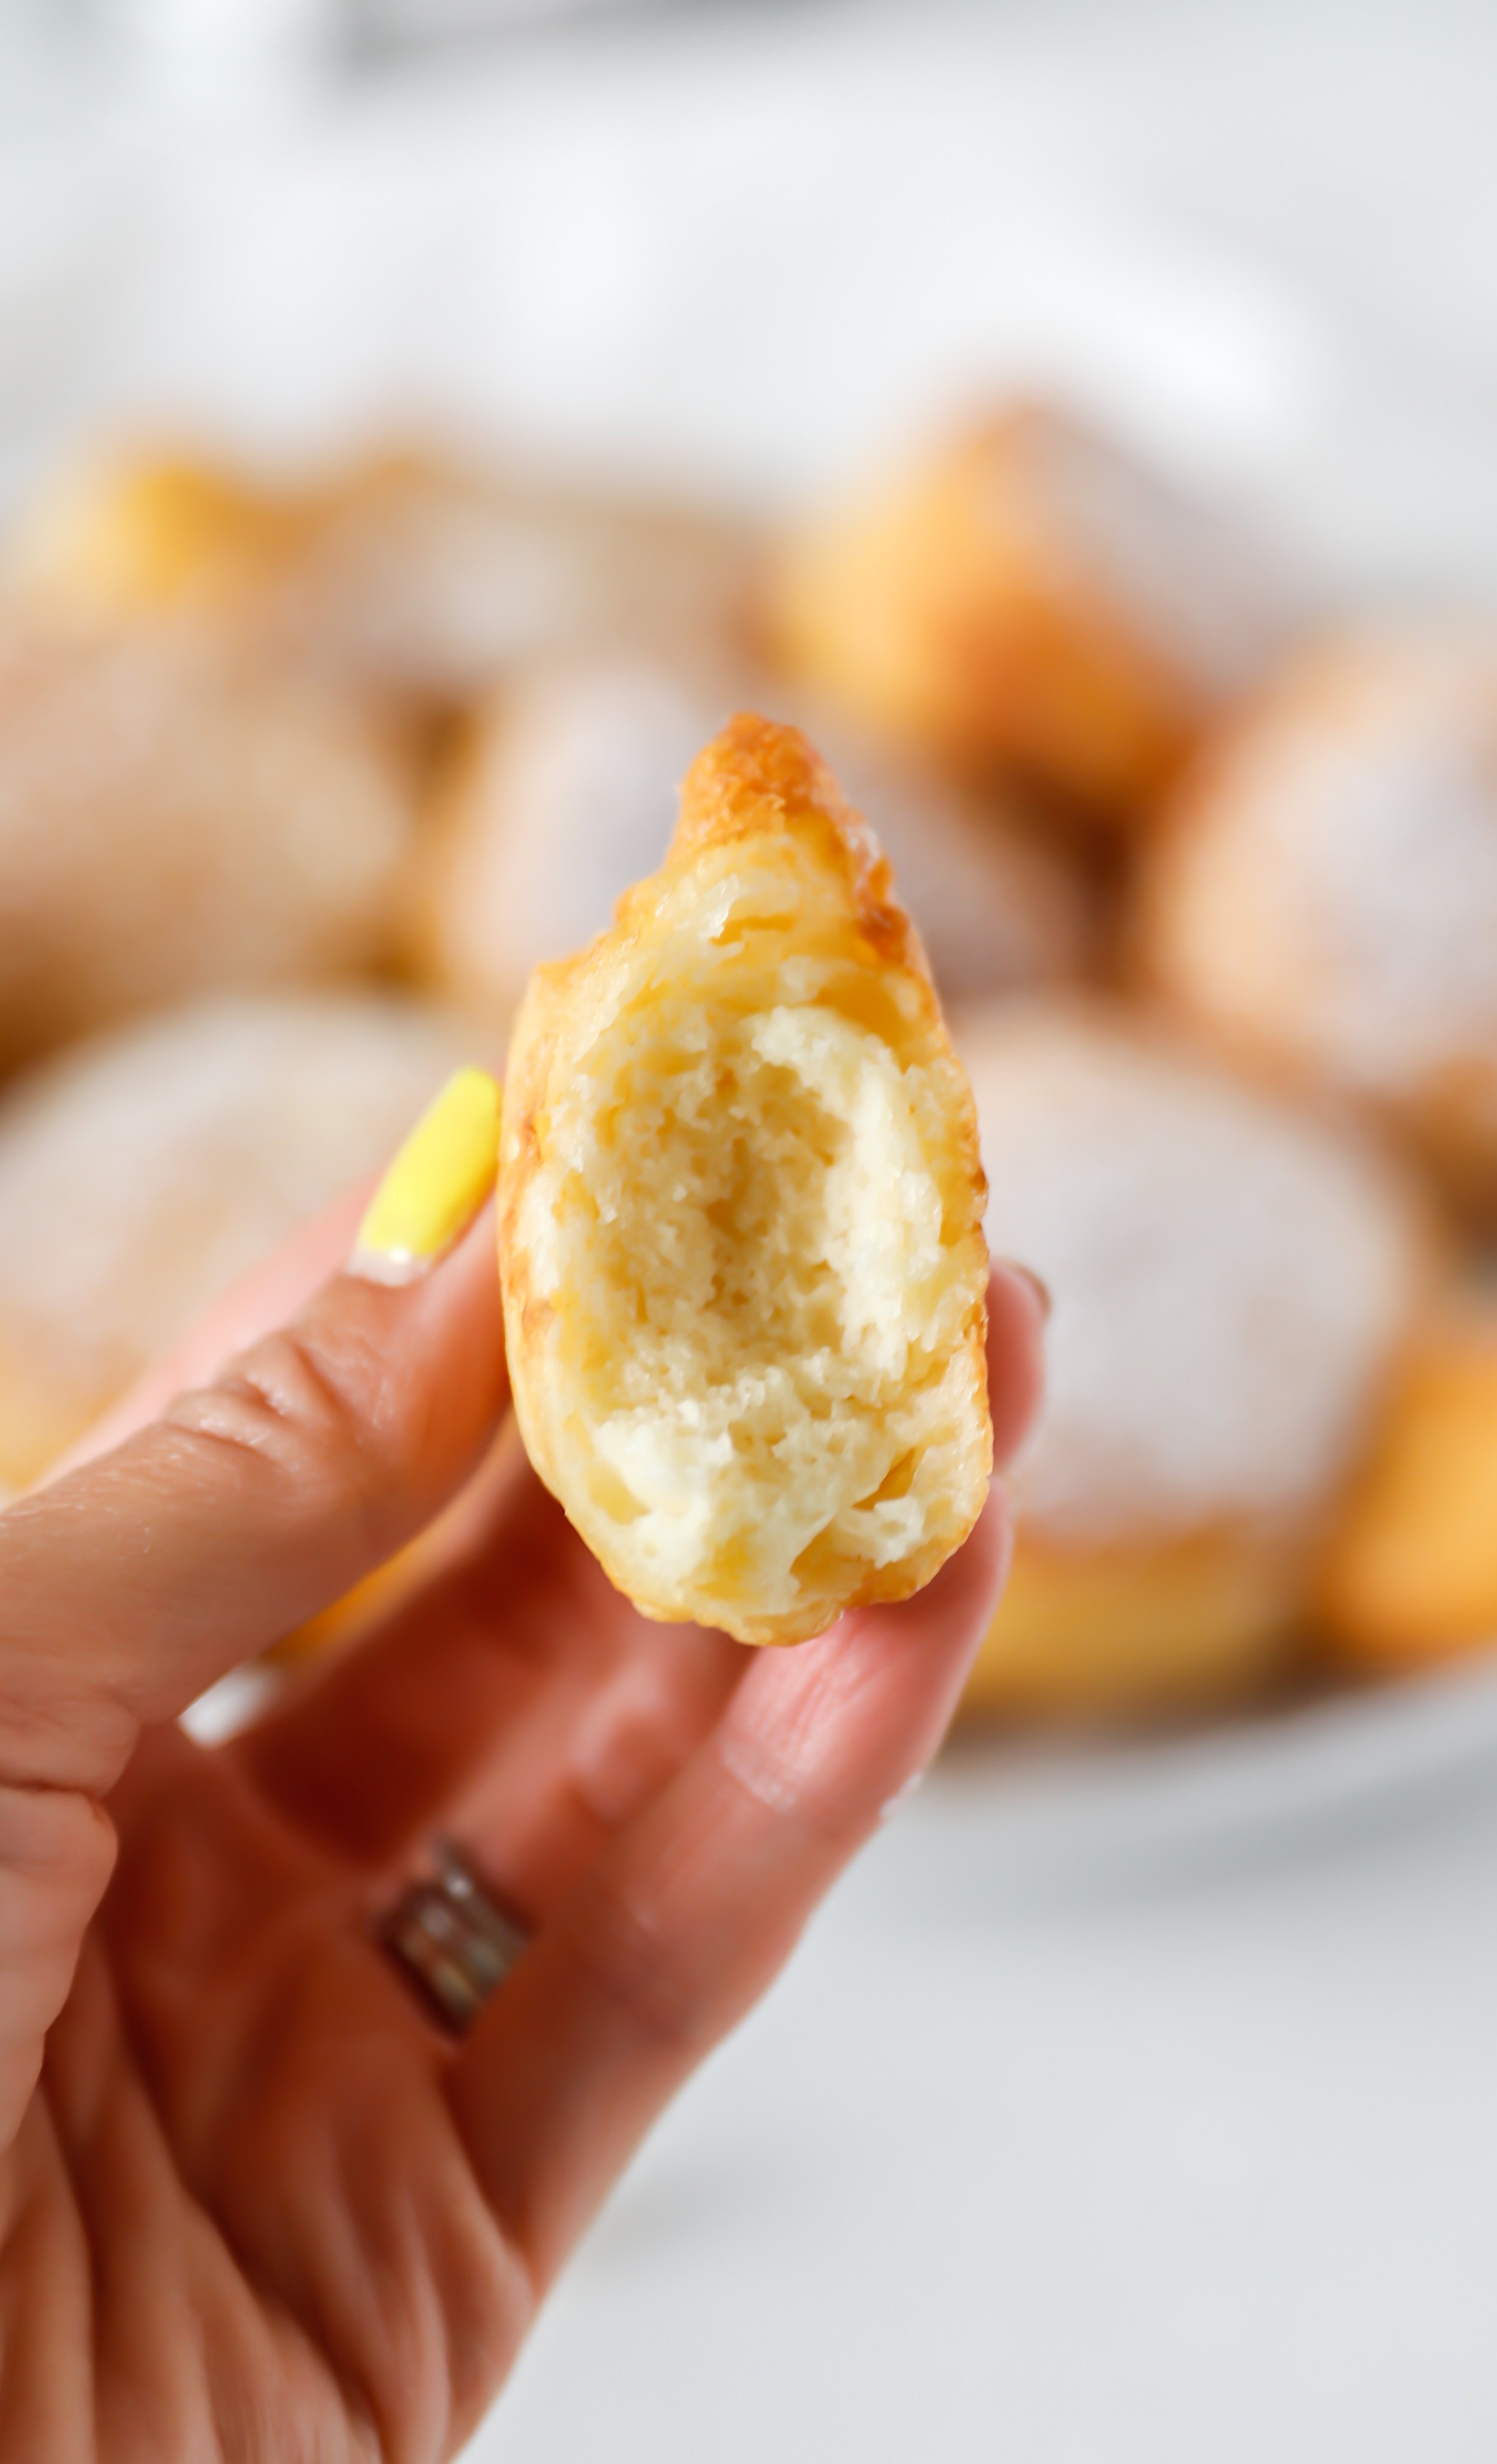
(450, 1940)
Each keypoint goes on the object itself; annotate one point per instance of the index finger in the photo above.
(272, 1293)
(133, 1582)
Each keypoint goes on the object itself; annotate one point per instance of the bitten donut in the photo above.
(1409, 1572)
(1327, 895)
(740, 1208)
(563, 794)
(172, 820)
(1032, 597)
(146, 1169)
(1233, 1283)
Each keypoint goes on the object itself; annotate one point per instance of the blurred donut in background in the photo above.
(265, 735)
(562, 795)
(1326, 897)
(1409, 1572)
(1033, 597)
(406, 578)
(175, 819)
(565, 794)
(143, 1172)
(1234, 1284)
(117, 535)
(423, 580)
(1000, 908)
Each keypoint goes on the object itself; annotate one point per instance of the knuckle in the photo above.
(771, 1779)
(794, 1779)
(299, 1415)
(57, 1851)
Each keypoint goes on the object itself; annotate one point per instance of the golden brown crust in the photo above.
(1030, 598)
(1407, 1577)
(1187, 1624)
(758, 792)
(757, 777)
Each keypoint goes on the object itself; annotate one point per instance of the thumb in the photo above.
(133, 1582)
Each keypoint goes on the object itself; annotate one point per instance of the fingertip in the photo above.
(436, 1185)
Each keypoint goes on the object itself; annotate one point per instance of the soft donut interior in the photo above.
(762, 1318)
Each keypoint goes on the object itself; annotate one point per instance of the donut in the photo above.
(144, 1171)
(561, 796)
(120, 533)
(173, 819)
(406, 578)
(1408, 1576)
(1325, 897)
(1031, 597)
(1233, 1281)
(425, 581)
(740, 1203)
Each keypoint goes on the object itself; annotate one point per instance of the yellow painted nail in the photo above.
(436, 1184)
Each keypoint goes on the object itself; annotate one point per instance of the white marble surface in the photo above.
(1095, 2158)
(1198, 2165)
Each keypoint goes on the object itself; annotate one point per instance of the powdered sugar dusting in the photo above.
(430, 579)
(1200, 591)
(1369, 806)
(574, 799)
(145, 1171)
(1227, 1280)
(174, 819)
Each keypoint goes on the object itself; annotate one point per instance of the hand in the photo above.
(252, 2204)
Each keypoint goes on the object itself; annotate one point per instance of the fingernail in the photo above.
(1037, 1285)
(436, 1184)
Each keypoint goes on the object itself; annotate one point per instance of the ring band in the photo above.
(450, 1940)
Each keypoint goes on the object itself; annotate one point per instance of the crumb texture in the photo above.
(741, 1207)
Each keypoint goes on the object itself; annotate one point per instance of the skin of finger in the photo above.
(270, 1294)
(687, 1916)
(57, 1853)
(473, 1691)
(468, 1711)
(1015, 1361)
(134, 1582)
